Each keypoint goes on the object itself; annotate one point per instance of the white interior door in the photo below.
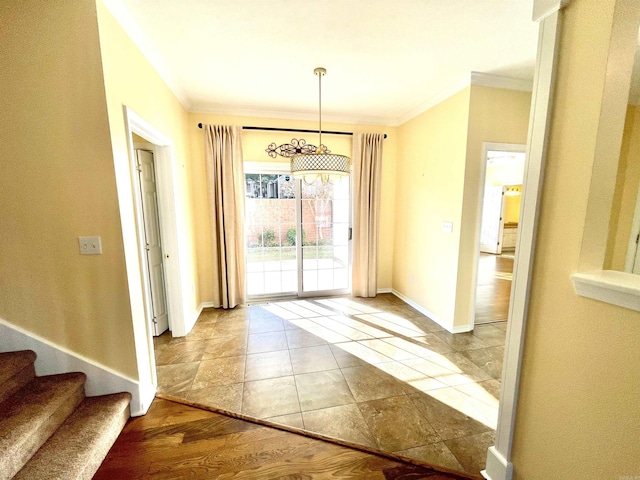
(153, 244)
(492, 223)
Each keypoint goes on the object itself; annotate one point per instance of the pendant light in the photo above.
(321, 164)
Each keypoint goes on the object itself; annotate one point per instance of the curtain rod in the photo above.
(294, 130)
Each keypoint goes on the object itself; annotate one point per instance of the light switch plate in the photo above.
(447, 227)
(90, 245)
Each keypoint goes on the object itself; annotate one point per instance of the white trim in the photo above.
(53, 359)
(539, 121)
(432, 316)
(617, 288)
(385, 290)
(167, 204)
(498, 81)
(635, 230)
(247, 111)
(499, 467)
(543, 8)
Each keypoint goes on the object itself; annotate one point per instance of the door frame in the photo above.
(486, 147)
(167, 206)
(632, 248)
(279, 168)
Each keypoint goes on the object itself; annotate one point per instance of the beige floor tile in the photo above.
(265, 324)
(184, 352)
(363, 352)
(312, 359)
(345, 359)
(344, 422)
(362, 326)
(299, 338)
(176, 378)
(292, 420)
(267, 342)
(270, 398)
(226, 397)
(323, 389)
(462, 341)
(437, 454)
(489, 334)
(488, 359)
(370, 383)
(471, 451)
(412, 380)
(451, 417)
(268, 365)
(396, 423)
(220, 371)
(387, 349)
(227, 346)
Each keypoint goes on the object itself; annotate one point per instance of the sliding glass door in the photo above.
(297, 236)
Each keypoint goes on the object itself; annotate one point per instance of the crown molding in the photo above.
(434, 100)
(128, 24)
(498, 81)
(543, 8)
(245, 111)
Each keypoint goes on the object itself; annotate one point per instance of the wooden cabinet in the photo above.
(509, 235)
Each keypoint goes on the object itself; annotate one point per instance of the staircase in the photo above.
(48, 428)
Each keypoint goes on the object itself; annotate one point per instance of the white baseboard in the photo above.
(52, 359)
(385, 290)
(432, 316)
(498, 468)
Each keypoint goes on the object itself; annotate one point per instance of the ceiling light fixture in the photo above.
(321, 164)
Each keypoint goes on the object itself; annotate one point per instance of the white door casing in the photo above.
(153, 242)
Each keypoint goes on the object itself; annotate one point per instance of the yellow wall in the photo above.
(624, 201)
(130, 80)
(512, 208)
(577, 413)
(495, 115)
(57, 182)
(254, 144)
(429, 188)
(439, 180)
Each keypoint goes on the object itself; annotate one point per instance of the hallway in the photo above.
(352, 369)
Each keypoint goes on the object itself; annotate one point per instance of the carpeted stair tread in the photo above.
(32, 414)
(16, 370)
(78, 447)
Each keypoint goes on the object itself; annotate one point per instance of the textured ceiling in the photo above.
(385, 60)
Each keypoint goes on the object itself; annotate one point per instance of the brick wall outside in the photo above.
(279, 215)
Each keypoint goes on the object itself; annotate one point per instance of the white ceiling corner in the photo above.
(386, 61)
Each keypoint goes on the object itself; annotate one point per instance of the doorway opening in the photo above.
(501, 192)
(151, 230)
(297, 236)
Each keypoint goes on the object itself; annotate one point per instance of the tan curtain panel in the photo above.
(225, 186)
(367, 172)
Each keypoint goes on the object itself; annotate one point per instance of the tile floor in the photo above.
(370, 371)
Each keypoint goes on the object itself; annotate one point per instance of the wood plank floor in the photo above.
(493, 289)
(178, 441)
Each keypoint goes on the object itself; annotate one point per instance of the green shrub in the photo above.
(292, 235)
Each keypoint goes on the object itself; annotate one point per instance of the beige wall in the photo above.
(429, 189)
(626, 193)
(439, 179)
(495, 115)
(57, 182)
(131, 81)
(254, 144)
(577, 413)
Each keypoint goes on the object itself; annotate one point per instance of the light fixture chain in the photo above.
(320, 109)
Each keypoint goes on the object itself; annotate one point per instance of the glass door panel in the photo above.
(325, 213)
(270, 232)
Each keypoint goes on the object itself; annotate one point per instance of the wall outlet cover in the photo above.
(90, 245)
